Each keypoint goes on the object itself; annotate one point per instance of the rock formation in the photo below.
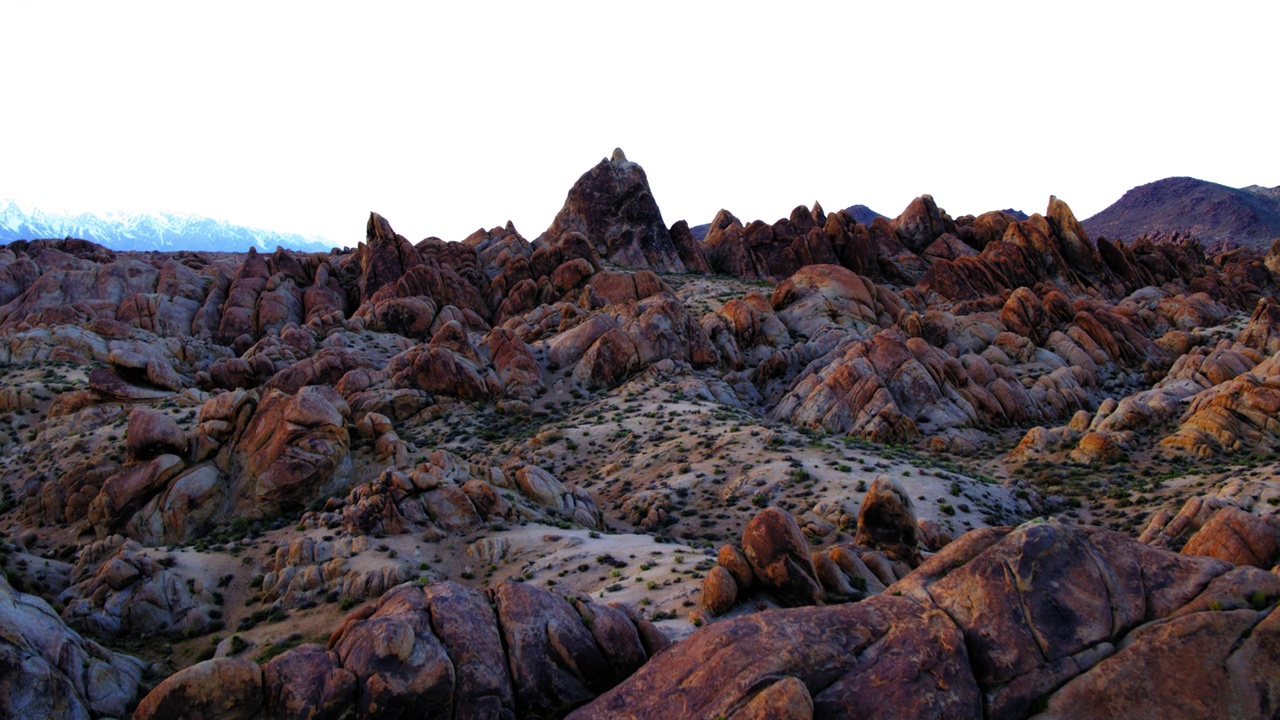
(820, 413)
(1048, 618)
(517, 652)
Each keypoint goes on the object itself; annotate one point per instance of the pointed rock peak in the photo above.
(1060, 215)
(378, 228)
(612, 205)
(921, 223)
(618, 156)
(724, 219)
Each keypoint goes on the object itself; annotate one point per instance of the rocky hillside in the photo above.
(984, 466)
(1215, 215)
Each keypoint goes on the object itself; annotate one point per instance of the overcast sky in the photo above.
(445, 117)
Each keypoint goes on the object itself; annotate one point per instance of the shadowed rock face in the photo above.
(1000, 623)
(444, 650)
(48, 671)
(613, 207)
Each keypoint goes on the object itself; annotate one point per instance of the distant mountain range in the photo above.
(147, 231)
(1215, 214)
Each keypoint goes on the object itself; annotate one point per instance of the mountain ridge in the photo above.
(1215, 214)
(167, 232)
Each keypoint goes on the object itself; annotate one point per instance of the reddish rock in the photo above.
(610, 360)
(292, 448)
(1080, 619)
(383, 258)
(1024, 314)
(689, 249)
(554, 660)
(613, 207)
(152, 433)
(467, 626)
(921, 223)
(225, 688)
(1238, 537)
(309, 682)
(397, 659)
(779, 557)
(887, 520)
(732, 559)
(719, 591)
(1263, 331)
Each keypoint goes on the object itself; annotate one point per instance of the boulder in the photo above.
(152, 433)
(719, 591)
(779, 557)
(1238, 537)
(887, 520)
(228, 687)
(50, 671)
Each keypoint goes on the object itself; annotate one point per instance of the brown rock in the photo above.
(779, 557)
(887, 520)
(932, 535)
(994, 623)
(554, 660)
(309, 682)
(383, 258)
(613, 207)
(468, 627)
(689, 249)
(732, 559)
(1263, 331)
(1024, 314)
(229, 688)
(397, 659)
(786, 699)
(1238, 537)
(611, 359)
(719, 591)
(293, 446)
(124, 493)
(921, 223)
(152, 433)
(860, 654)
(1222, 664)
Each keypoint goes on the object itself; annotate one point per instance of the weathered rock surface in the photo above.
(779, 557)
(1077, 620)
(887, 521)
(1238, 537)
(448, 650)
(614, 208)
(47, 670)
(222, 688)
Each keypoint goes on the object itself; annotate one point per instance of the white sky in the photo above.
(445, 117)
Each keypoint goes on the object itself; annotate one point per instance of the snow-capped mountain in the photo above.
(151, 231)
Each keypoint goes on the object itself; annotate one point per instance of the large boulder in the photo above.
(1080, 620)
(887, 520)
(152, 433)
(779, 557)
(1238, 537)
(227, 688)
(294, 448)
